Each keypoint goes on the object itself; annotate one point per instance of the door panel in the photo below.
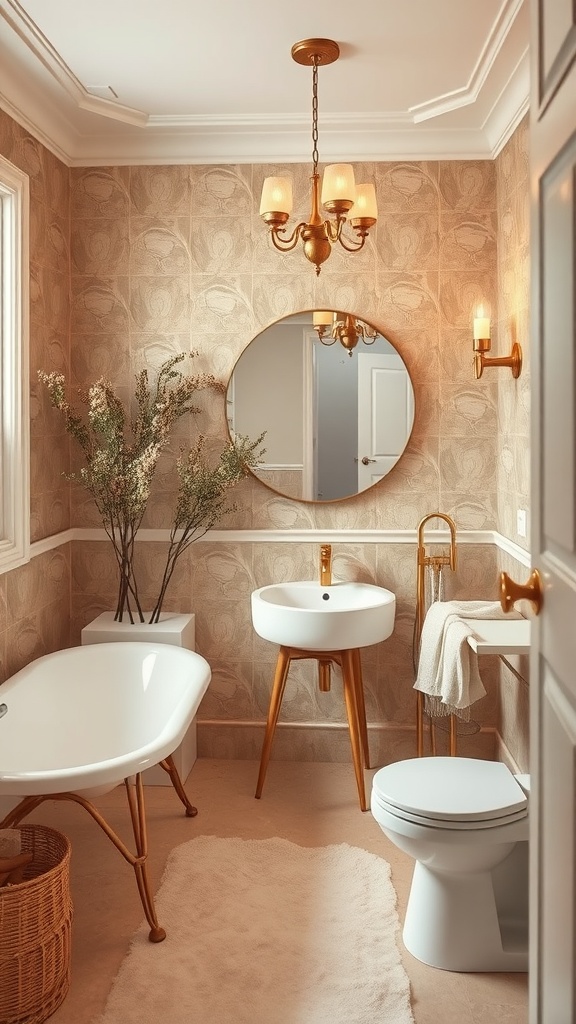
(558, 358)
(557, 853)
(553, 536)
(385, 414)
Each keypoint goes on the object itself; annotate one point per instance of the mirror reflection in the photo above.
(334, 398)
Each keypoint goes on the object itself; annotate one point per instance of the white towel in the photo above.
(448, 667)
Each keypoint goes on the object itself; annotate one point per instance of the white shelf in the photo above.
(500, 636)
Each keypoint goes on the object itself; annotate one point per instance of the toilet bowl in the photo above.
(465, 823)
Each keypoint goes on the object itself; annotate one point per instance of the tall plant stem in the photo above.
(176, 548)
(122, 537)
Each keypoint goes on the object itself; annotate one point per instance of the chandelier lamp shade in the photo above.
(339, 195)
(343, 327)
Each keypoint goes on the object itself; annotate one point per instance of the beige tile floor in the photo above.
(309, 804)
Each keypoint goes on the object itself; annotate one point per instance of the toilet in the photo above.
(465, 823)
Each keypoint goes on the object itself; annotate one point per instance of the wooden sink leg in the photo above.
(361, 705)
(350, 696)
(282, 666)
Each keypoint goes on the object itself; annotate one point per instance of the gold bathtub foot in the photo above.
(168, 765)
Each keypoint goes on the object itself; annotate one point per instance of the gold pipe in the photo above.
(324, 676)
(436, 561)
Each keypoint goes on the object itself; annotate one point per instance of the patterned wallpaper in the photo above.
(169, 258)
(166, 259)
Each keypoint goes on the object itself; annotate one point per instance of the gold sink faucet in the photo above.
(325, 565)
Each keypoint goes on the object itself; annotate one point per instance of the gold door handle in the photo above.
(510, 591)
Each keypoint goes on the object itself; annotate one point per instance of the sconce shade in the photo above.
(276, 196)
(365, 205)
(481, 327)
(338, 185)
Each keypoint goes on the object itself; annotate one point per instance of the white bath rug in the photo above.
(267, 932)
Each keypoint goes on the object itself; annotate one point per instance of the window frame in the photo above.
(14, 367)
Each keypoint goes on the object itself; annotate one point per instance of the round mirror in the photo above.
(334, 398)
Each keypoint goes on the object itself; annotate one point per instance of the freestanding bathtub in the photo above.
(75, 723)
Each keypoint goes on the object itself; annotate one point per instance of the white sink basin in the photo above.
(316, 618)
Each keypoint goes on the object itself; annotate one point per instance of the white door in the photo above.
(385, 414)
(553, 535)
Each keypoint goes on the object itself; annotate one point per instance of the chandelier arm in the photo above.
(351, 248)
(334, 228)
(287, 244)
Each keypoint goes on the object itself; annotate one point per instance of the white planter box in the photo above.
(172, 629)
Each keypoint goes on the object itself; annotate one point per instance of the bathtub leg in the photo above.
(138, 861)
(168, 765)
(26, 806)
(138, 816)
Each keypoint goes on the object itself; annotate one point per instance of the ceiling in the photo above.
(143, 81)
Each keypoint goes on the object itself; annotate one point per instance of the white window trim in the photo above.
(14, 384)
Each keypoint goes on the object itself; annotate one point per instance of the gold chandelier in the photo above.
(340, 196)
(343, 327)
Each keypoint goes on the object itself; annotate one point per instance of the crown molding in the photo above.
(236, 143)
(27, 30)
(82, 129)
(470, 93)
(510, 107)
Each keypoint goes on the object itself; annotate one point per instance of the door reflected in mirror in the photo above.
(337, 410)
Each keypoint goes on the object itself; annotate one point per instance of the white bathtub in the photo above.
(83, 719)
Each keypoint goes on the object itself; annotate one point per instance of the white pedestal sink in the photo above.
(330, 624)
(309, 616)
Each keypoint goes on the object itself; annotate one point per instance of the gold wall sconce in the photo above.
(482, 344)
(343, 327)
(340, 195)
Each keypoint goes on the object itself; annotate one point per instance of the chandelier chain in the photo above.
(315, 114)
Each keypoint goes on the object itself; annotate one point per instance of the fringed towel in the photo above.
(448, 667)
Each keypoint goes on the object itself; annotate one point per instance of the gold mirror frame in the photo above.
(303, 391)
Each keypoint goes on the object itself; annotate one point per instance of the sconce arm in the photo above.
(514, 361)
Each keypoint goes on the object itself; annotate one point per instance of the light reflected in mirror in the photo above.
(337, 415)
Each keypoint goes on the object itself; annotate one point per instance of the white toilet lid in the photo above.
(451, 789)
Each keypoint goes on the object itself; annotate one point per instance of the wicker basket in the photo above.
(35, 924)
